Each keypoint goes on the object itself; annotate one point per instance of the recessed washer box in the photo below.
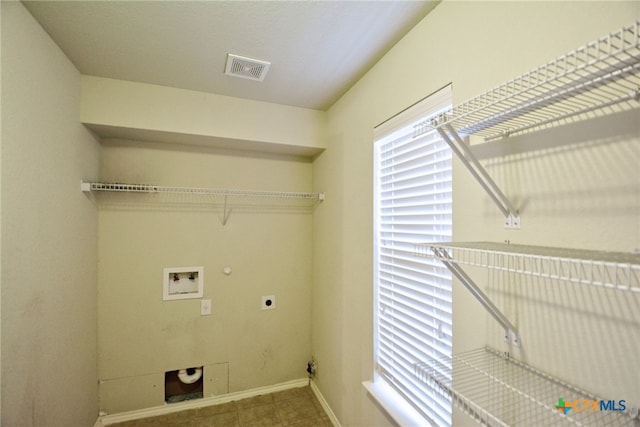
(183, 282)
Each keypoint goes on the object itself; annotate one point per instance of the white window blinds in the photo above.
(412, 193)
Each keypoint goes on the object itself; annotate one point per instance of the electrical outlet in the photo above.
(268, 302)
(205, 307)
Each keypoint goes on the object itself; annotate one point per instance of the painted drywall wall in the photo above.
(577, 188)
(49, 230)
(130, 110)
(267, 247)
(0, 226)
(0, 221)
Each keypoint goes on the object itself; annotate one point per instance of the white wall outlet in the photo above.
(268, 302)
(205, 307)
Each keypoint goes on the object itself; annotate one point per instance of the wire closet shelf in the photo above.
(498, 390)
(601, 77)
(221, 197)
(595, 80)
(613, 270)
(147, 188)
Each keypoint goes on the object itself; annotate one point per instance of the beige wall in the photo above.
(200, 140)
(49, 234)
(577, 187)
(267, 247)
(0, 224)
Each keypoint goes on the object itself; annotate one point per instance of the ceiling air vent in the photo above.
(246, 68)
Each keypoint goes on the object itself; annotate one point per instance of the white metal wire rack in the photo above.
(613, 270)
(495, 389)
(600, 78)
(224, 197)
(610, 270)
(148, 188)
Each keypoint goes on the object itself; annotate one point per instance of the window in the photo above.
(412, 194)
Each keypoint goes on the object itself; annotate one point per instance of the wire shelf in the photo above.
(207, 198)
(498, 390)
(147, 188)
(614, 270)
(603, 77)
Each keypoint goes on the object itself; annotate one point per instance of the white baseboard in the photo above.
(325, 405)
(106, 420)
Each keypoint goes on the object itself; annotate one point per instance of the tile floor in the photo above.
(297, 407)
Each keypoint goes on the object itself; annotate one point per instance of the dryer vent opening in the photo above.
(176, 390)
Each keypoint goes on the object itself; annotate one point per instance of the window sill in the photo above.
(398, 409)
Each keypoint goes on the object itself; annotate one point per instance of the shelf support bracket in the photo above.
(464, 153)
(511, 334)
(225, 212)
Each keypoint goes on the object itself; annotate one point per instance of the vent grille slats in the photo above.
(246, 68)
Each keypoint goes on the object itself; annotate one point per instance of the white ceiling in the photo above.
(317, 49)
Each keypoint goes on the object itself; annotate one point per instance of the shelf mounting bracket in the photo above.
(511, 334)
(225, 212)
(466, 156)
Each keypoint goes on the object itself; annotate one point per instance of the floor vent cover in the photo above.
(246, 68)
